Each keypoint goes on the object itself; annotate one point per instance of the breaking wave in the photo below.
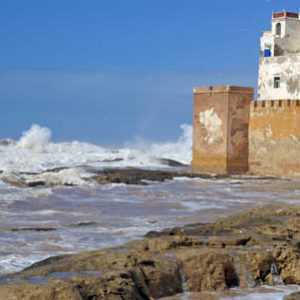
(36, 138)
(35, 153)
(179, 150)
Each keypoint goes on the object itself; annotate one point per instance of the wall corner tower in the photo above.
(220, 129)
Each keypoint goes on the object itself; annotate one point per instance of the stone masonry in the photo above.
(220, 136)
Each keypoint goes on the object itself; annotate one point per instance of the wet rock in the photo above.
(59, 291)
(59, 176)
(223, 241)
(294, 296)
(132, 176)
(287, 259)
(171, 162)
(208, 270)
(36, 183)
(257, 247)
(7, 142)
(14, 181)
(84, 224)
(55, 170)
(112, 160)
(141, 176)
(36, 229)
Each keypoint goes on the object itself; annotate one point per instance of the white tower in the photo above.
(279, 65)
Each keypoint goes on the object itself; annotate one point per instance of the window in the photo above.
(278, 51)
(267, 52)
(276, 82)
(278, 29)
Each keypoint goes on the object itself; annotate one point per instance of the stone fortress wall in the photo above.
(220, 136)
(274, 138)
(234, 135)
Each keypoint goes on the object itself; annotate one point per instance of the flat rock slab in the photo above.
(254, 248)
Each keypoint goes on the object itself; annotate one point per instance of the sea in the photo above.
(72, 213)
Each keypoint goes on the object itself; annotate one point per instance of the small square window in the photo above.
(276, 82)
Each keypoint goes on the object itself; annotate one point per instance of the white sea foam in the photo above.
(35, 139)
(179, 150)
(11, 194)
(69, 176)
(14, 263)
(259, 296)
(201, 205)
(36, 153)
(276, 293)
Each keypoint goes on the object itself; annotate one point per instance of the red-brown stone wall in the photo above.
(210, 131)
(238, 137)
(220, 124)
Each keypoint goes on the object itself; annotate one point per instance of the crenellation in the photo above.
(275, 104)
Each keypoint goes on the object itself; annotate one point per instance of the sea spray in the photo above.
(35, 152)
(179, 150)
(35, 139)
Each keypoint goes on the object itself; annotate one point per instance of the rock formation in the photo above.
(260, 246)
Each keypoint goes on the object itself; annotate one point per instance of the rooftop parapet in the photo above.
(285, 14)
(223, 89)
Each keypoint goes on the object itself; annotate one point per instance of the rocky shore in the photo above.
(129, 175)
(258, 247)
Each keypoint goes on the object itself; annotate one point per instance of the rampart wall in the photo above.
(274, 137)
(234, 135)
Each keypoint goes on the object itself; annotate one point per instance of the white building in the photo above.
(279, 65)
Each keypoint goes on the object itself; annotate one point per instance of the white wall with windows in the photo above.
(279, 66)
(279, 78)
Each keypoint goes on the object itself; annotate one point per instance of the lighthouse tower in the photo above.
(279, 65)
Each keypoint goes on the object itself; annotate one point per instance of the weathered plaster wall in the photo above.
(220, 131)
(210, 131)
(287, 67)
(267, 42)
(274, 138)
(285, 44)
(289, 40)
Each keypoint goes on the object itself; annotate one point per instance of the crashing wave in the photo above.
(36, 138)
(35, 154)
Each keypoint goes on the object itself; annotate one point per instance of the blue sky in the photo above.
(108, 71)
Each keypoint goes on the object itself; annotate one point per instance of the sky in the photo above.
(113, 71)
